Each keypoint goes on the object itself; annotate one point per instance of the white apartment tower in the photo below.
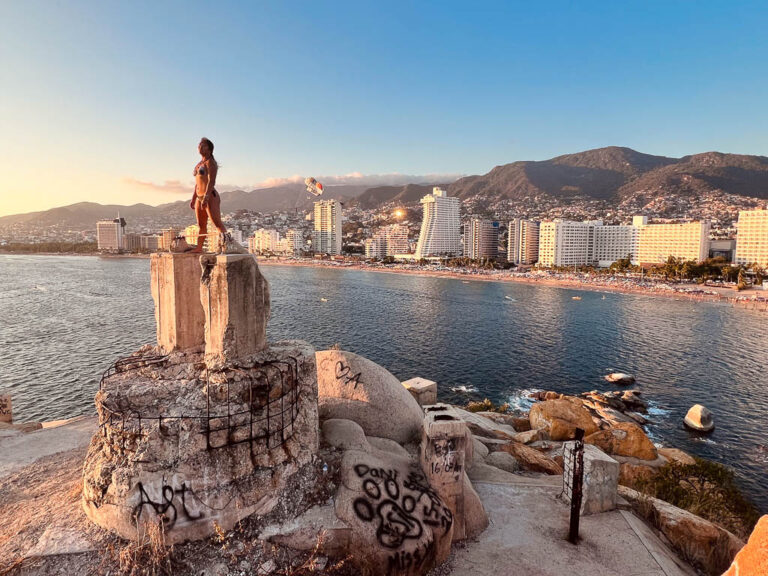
(481, 239)
(752, 238)
(264, 241)
(688, 240)
(292, 242)
(440, 227)
(613, 243)
(326, 238)
(566, 243)
(109, 234)
(523, 242)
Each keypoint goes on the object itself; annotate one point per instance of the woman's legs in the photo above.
(214, 211)
(201, 213)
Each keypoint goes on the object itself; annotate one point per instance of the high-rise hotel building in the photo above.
(566, 243)
(481, 239)
(440, 227)
(388, 241)
(686, 240)
(109, 234)
(523, 242)
(613, 243)
(752, 238)
(326, 237)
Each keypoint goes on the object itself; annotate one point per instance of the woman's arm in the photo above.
(212, 170)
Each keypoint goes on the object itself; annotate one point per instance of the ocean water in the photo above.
(65, 319)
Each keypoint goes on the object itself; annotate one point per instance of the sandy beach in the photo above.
(574, 281)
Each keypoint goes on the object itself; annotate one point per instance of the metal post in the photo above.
(576, 486)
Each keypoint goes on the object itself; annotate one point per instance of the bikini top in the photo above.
(199, 169)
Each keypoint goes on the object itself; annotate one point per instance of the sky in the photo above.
(106, 101)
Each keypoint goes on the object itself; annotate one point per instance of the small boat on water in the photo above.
(603, 298)
(323, 299)
(575, 297)
(509, 298)
(465, 281)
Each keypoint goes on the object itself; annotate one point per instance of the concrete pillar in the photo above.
(445, 447)
(423, 390)
(601, 478)
(6, 409)
(175, 280)
(235, 299)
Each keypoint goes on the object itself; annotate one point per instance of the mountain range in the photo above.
(611, 174)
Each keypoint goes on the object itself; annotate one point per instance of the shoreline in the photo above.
(664, 290)
(752, 300)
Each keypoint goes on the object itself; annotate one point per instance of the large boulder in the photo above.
(354, 388)
(532, 459)
(399, 524)
(633, 471)
(624, 439)
(677, 455)
(699, 418)
(562, 417)
(753, 558)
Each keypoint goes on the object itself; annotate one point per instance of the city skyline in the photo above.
(100, 103)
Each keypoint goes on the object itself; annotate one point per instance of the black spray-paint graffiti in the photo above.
(166, 508)
(391, 503)
(5, 405)
(343, 373)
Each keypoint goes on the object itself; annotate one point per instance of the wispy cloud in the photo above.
(168, 186)
(359, 179)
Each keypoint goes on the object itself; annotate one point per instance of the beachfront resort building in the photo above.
(752, 238)
(481, 239)
(523, 242)
(151, 242)
(613, 243)
(440, 227)
(263, 241)
(566, 243)
(387, 241)
(109, 234)
(326, 237)
(683, 240)
(291, 243)
(167, 236)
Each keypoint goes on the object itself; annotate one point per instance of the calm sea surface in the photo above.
(63, 320)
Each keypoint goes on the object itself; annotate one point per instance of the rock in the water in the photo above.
(399, 524)
(354, 388)
(344, 434)
(699, 418)
(753, 558)
(561, 418)
(503, 461)
(532, 459)
(624, 439)
(620, 378)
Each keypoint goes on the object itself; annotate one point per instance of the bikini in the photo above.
(200, 170)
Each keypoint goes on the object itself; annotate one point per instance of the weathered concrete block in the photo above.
(235, 299)
(601, 478)
(446, 449)
(423, 390)
(6, 409)
(175, 280)
(195, 447)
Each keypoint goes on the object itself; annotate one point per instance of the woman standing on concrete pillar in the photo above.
(205, 200)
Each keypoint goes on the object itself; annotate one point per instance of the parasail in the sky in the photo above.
(313, 186)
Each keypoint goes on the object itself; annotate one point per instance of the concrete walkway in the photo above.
(18, 449)
(527, 536)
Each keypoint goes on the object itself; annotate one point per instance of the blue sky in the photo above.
(106, 101)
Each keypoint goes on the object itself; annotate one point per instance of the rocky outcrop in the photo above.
(354, 388)
(633, 470)
(531, 459)
(698, 541)
(561, 418)
(624, 439)
(677, 455)
(753, 558)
